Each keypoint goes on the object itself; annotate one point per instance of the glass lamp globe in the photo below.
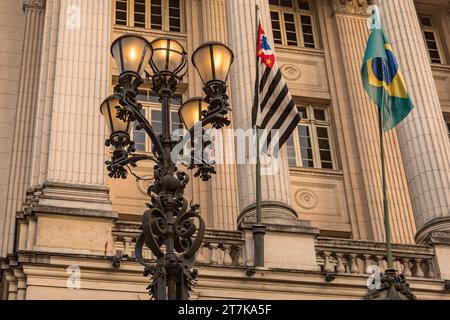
(213, 61)
(109, 109)
(131, 53)
(168, 56)
(191, 111)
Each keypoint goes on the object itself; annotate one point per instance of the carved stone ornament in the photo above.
(291, 72)
(350, 6)
(393, 287)
(34, 4)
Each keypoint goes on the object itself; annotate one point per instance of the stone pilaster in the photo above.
(24, 122)
(21, 284)
(76, 152)
(423, 136)
(224, 184)
(67, 186)
(69, 133)
(11, 285)
(352, 31)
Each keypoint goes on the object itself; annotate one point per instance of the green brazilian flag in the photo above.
(383, 80)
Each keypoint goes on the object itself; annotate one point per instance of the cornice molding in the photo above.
(358, 7)
(34, 4)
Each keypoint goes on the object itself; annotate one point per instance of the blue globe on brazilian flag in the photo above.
(383, 80)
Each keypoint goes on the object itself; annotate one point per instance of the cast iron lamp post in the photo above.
(170, 229)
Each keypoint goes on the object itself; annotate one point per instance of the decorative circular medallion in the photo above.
(306, 199)
(291, 72)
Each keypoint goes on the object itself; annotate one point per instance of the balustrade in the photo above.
(219, 248)
(363, 257)
(340, 256)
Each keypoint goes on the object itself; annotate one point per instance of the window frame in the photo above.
(164, 12)
(447, 122)
(148, 107)
(313, 124)
(433, 29)
(127, 12)
(297, 12)
(448, 127)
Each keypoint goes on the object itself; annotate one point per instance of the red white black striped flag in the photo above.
(274, 107)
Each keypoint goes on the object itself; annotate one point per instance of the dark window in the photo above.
(293, 23)
(121, 12)
(311, 145)
(430, 35)
(139, 13)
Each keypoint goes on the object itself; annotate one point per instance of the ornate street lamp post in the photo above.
(171, 230)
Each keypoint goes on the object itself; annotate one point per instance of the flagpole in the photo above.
(258, 180)
(387, 224)
(259, 230)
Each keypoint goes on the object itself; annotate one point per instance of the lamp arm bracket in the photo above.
(135, 108)
(122, 162)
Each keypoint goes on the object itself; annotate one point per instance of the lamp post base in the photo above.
(392, 287)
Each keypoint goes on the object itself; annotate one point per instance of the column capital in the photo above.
(358, 7)
(34, 4)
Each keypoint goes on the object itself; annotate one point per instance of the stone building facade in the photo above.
(67, 231)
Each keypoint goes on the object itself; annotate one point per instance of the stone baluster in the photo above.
(221, 255)
(367, 262)
(127, 246)
(431, 274)
(418, 272)
(380, 261)
(406, 269)
(397, 264)
(147, 254)
(327, 264)
(116, 243)
(340, 268)
(239, 255)
(353, 263)
(214, 254)
(227, 260)
(201, 257)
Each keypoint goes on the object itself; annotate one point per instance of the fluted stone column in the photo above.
(197, 190)
(21, 129)
(283, 227)
(69, 132)
(423, 136)
(68, 153)
(242, 39)
(352, 31)
(224, 184)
